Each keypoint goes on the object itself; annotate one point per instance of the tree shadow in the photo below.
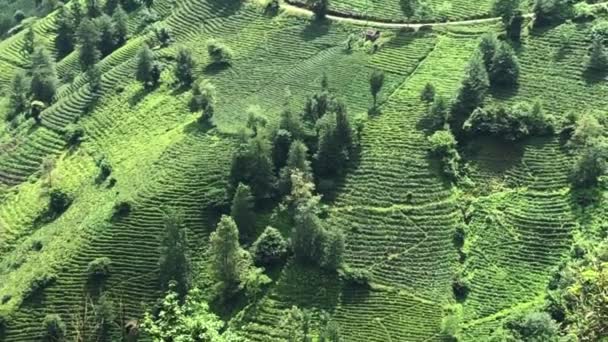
(215, 68)
(593, 76)
(504, 93)
(315, 29)
(138, 96)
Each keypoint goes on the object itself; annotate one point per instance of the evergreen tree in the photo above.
(54, 328)
(262, 178)
(514, 26)
(173, 262)
(333, 249)
(93, 8)
(76, 13)
(297, 160)
(226, 254)
(505, 67)
(64, 40)
(428, 93)
(487, 47)
(505, 9)
(319, 7)
(307, 235)
(344, 132)
(29, 43)
(88, 38)
(472, 91)
(292, 123)
(18, 96)
(146, 64)
(408, 8)
(242, 211)
(44, 77)
(255, 119)
(110, 6)
(329, 159)
(184, 70)
(376, 82)
(107, 34)
(94, 74)
(438, 113)
(598, 60)
(281, 141)
(121, 25)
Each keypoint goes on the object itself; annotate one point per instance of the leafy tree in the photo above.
(64, 40)
(488, 46)
(192, 320)
(292, 123)
(281, 141)
(44, 77)
(270, 247)
(376, 82)
(106, 33)
(204, 95)
(99, 268)
(54, 328)
(253, 280)
(505, 9)
(226, 254)
(548, 11)
(218, 52)
(428, 93)
(242, 211)
(93, 8)
(587, 130)
(19, 16)
(147, 68)
(472, 91)
(94, 74)
(110, 6)
(592, 163)
(533, 327)
(598, 60)
(88, 38)
(104, 315)
(333, 248)
(76, 12)
(505, 67)
(255, 119)
(443, 145)
(296, 325)
(173, 262)
(438, 113)
(319, 8)
(408, 7)
(184, 70)
(18, 96)
(336, 143)
(121, 25)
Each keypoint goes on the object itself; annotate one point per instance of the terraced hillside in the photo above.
(400, 215)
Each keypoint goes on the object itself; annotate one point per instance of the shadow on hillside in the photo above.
(315, 29)
(215, 68)
(592, 76)
(504, 93)
(224, 8)
(138, 96)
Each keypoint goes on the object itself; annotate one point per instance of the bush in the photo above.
(59, 202)
(591, 165)
(73, 134)
(54, 328)
(515, 123)
(270, 247)
(99, 268)
(356, 277)
(443, 146)
(428, 93)
(460, 287)
(218, 52)
(105, 170)
(550, 11)
(121, 209)
(533, 327)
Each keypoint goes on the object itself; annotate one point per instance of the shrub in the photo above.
(99, 268)
(59, 202)
(533, 327)
(184, 70)
(438, 113)
(450, 324)
(598, 59)
(428, 93)
(203, 96)
(443, 145)
(592, 163)
(105, 169)
(549, 11)
(19, 16)
(54, 328)
(122, 209)
(272, 7)
(73, 134)
(218, 52)
(460, 287)
(356, 277)
(270, 247)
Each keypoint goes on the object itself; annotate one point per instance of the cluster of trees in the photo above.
(297, 326)
(598, 57)
(589, 143)
(551, 11)
(511, 16)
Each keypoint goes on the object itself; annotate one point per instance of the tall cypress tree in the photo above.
(121, 25)
(472, 91)
(242, 211)
(64, 41)
(505, 67)
(88, 39)
(184, 70)
(107, 35)
(44, 77)
(173, 262)
(226, 254)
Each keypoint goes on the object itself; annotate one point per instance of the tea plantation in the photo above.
(342, 170)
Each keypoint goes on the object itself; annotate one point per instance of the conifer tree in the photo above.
(487, 47)
(376, 82)
(226, 254)
(88, 38)
(505, 67)
(110, 6)
(29, 44)
(44, 77)
(93, 8)
(18, 95)
(64, 41)
(472, 91)
(242, 211)
(146, 63)
(598, 60)
(297, 160)
(107, 34)
(173, 261)
(184, 70)
(121, 25)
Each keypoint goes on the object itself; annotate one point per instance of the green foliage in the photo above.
(533, 327)
(121, 209)
(450, 324)
(242, 211)
(296, 325)
(443, 146)
(59, 202)
(515, 123)
(110, 6)
(505, 9)
(203, 96)
(19, 16)
(105, 169)
(252, 165)
(44, 77)
(94, 74)
(148, 69)
(356, 277)
(598, 59)
(297, 160)
(88, 39)
(505, 67)
(255, 119)
(336, 145)
(121, 25)
(99, 268)
(227, 257)
(54, 328)
(29, 44)
(319, 8)
(18, 96)
(106, 33)
(104, 316)
(408, 7)
(218, 52)
(270, 247)
(428, 93)
(185, 65)
(438, 113)
(515, 26)
(472, 91)
(64, 40)
(487, 47)
(333, 248)
(376, 82)
(190, 321)
(549, 11)
(38, 283)
(173, 262)
(253, 280)
(163, 34)
(591, 164)
(93, 8)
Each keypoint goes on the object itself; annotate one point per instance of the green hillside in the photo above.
(120, 183)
